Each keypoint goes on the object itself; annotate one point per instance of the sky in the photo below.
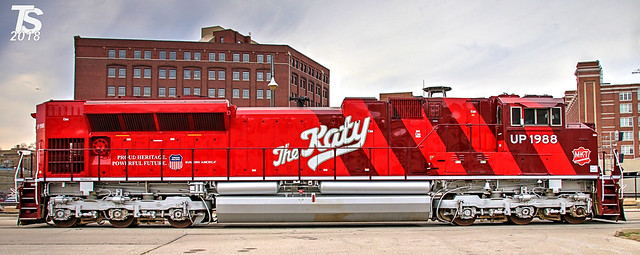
(479, 48)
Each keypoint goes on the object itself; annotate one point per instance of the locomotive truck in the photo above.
(456, 160)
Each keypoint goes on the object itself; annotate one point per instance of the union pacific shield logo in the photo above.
(175, 162)
(581, 156)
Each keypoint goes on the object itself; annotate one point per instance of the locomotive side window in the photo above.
(556, 118)
(499, 115)
(516, 117)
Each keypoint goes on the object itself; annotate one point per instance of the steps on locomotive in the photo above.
(30, 210)
(611, 204)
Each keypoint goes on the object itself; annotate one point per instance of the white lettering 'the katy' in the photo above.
(334, 142)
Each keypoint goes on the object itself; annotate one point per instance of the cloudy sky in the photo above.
(480, 48)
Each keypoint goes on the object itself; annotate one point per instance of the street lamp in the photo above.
(273, 85)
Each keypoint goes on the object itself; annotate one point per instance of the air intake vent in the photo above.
(173, 121)
(208, 121)
(104, 122)
(406, 108)
(138, 122)
(66, 155)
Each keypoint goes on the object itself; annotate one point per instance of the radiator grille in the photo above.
(65, 155)
(406, 108)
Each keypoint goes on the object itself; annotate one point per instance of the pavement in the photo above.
(539, 237)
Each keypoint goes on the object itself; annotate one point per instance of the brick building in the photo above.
(610, 107)
(223, 64)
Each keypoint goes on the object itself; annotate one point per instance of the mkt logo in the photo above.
(22, 32)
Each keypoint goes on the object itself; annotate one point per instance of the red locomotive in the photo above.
(503, 158)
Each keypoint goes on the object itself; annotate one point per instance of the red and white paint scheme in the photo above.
(457, 160)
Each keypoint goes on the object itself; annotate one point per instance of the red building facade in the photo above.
(223, 64)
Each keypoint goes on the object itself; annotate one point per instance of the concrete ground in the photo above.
(539, 237)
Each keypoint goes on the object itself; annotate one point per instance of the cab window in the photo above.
(541, 116)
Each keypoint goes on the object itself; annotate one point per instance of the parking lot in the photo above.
(540, 237)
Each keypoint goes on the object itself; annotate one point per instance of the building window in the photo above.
(147, 91)
(627, 135)
(212, 56)
(260, 76)
(111, 91)
(236, 93)
(245, 76)
(221, 57)
(245, 93)
(260, 58)
(197, 56)
(269, 58)
(221, 39)
(172, 73)
(625, 96)
(172, 55)
(122, 73)
(162, 55)
(268, 76)
(236, 57)
(626, 149)
(172, 92)
(268, 94)
(147, 54)
(221, 75)
(211, 92)
(162, 92)
(122, 54)
(136, 73)
(112, 53)
(147, 73)
(259, 94)
(112, 72)
(122, 91)
(236, 75)
(245, 58)
(626, 108)
(186, 91)
(187, 55)
(626, 121)
(196, 91)
(137, 54)
(136, 91)
(212, 75)
(221, 93)
(162, 73)
(196, 74)
(187, 74)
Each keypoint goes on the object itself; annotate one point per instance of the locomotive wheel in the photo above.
(180, 223)
(71, 222)
(442, 215)
(464, 222)
(122, 223)
(519, 221)
(573, 220)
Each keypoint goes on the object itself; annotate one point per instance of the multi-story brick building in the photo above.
(223, 64)
(610, 107)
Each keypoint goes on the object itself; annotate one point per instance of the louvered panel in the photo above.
(138, 122)
(173, 121)
(104, 122)
(208, 121)
(406, 108)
